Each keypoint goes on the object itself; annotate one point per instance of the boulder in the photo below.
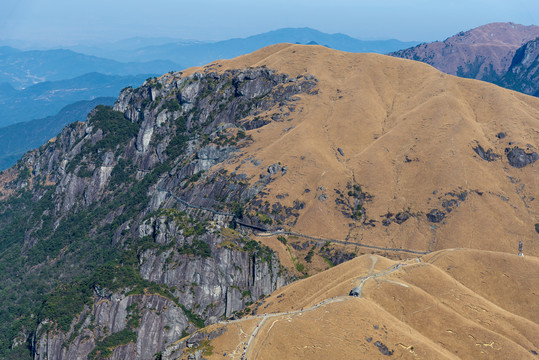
(519, 158)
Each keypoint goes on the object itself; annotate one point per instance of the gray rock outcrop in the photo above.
(193, 267)
(519, 158)
(435, 216)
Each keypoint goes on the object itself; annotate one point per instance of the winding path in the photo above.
(273, 315)
(318, 239)
(264, 317)
(262, 232)
(388, 271)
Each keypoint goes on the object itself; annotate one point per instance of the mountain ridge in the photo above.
(356, 147)
(425, 307)
(483, 53)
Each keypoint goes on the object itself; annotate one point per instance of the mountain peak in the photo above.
(501, 32)
(483, 53)
(203, 191)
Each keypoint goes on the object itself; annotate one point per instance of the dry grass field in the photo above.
(400, 136)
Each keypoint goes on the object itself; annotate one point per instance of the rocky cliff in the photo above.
(523, 74)
(134, 237)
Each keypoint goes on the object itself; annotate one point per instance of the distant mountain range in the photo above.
(190, 53)
(17, 139)
(49, 97)
(488, 53)
(503, 53)
(122, 49)
(25, 68)
(38, 83)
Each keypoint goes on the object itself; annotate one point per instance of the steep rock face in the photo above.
(213, 284)
(523, 74)
(151, 242)
(161, 322)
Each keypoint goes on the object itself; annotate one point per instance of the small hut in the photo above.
(355, 291)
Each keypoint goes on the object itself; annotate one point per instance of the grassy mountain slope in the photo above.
(444, 306)
(409, 139)
(170, 211)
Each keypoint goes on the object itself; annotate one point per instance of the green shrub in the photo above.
(176, 146)
(24, 174)
(310, 254)
(195, 319)
(121, 173)
(104, 348)
(65, 302)
(116, 128)
(197, 248)
(84, 172)
(237, 209)
(261, 251)
(181, 124)
(172, 105)
(265, 219)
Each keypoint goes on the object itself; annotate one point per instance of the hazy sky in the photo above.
(71, 21)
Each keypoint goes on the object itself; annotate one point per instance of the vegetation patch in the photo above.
(116, 128)
(263, 252)
(204, 346)
(231, 239)
(121, 173)
(104, 348)
(196, 248)
(172, 105)
(195, 319)
(68, 300)
(310, 254)
(265, 219)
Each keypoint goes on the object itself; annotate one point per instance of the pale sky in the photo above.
(71, 21)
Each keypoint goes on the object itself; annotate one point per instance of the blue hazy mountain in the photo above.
(25, 68)
(17, 139)
(122, 49)
(186, 53)
(49, 97)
